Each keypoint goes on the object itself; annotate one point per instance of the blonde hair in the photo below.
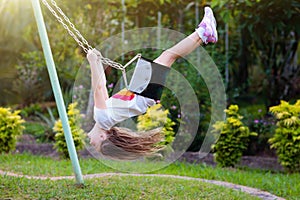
(124, 144)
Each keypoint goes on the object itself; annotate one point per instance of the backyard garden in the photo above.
(240, 140)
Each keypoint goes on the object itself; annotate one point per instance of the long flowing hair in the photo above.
(124, 144)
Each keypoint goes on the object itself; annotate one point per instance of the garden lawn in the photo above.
(115, 187)
(283, 185)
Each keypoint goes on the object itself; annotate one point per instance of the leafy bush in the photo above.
(264, 128)
(286, 139)
(41, 132)
(253, 111)
(35, 129)
(48, 121)
(77, 133)
(156, 117)
(30, 110)
(39, 121)
(10, 127)
(259, 120)
(233, 138)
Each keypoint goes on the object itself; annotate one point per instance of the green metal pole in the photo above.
(56, 89)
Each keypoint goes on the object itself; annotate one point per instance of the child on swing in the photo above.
(121, 143)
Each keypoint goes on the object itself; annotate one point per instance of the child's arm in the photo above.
(98, 79)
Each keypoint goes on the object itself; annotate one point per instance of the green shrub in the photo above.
(35, 129)
(10, 127)
(156, 117)
(30, 110)
(253, 111)
(257, 118)
(233, 138)
(286, 139)
(41, 132)
(48, 121)
(77, 133)
(264, 128)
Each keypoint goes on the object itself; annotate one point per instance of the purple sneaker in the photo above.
(207, 29)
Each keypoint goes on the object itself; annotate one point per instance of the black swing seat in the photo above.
(148, 78)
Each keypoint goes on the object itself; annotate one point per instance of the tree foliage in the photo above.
(269, 36)
(32, 83)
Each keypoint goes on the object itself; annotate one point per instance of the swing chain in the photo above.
(83, 43)
(107, 61)
(60, 20)
(71, 24)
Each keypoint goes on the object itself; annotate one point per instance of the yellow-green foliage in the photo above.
(157, 117)
(77, 133)
(286, 139)
(10, 127)
(233, 138)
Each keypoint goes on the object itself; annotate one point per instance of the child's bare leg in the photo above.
(205, 33)
(98, 80)
(181, 49)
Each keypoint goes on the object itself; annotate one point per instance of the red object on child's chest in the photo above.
(124, 95)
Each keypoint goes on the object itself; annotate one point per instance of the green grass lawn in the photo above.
(115, 188)
(283, 185)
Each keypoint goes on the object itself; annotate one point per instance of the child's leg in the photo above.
(98, 80)
(181, 49)
(205, 33)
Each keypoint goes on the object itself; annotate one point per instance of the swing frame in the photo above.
(57, 90)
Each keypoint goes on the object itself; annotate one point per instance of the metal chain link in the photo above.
(83, 43)
(60, 20)
(71, 24)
